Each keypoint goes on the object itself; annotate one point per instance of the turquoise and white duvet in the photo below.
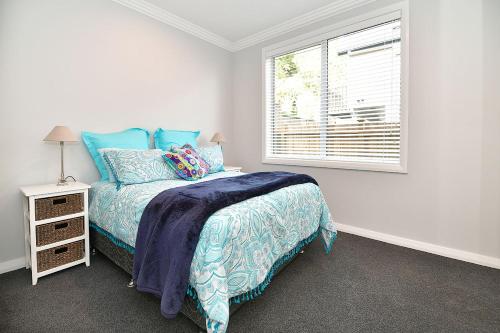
(238, 245)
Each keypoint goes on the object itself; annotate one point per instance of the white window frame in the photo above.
(396, 11)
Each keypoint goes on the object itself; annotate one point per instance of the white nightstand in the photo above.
(56, 227)
(232, 168)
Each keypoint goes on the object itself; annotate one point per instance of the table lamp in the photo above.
(219, 138)
(61, 134)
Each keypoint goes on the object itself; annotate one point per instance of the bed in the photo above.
(241, 247)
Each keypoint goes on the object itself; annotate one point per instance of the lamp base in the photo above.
(62, 182)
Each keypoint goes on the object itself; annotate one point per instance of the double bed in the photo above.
(240, 248)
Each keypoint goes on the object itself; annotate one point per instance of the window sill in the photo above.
(362, 166)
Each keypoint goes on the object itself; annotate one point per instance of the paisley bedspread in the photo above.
(238, 245)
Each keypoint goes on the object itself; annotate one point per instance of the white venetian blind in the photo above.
(338, 100)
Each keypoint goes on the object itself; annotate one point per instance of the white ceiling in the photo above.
(237, 19)
(237, 24)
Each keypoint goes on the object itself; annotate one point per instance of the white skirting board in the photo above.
(422, 246)
(11, 265)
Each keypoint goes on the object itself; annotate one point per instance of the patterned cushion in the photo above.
(213, 156)
(111, 177)
(189, 150)
(138, 166)
(187, 166)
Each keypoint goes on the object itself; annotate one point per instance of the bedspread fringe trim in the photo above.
(257, 291)
(112, 238)
(249, 295)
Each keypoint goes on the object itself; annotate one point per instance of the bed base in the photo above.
(125, 260)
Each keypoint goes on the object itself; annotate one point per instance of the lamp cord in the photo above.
(70, 177)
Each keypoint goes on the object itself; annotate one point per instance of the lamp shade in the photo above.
(61, 134)
(218, 137)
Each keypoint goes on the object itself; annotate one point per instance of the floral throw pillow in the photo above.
(189, 150)
(185, 165)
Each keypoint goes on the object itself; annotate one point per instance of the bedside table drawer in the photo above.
(58, 256)
(60, 230)
(47, 208)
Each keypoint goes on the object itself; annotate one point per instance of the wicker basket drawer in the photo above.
(58, 231)
(60, 255)
(47, 208)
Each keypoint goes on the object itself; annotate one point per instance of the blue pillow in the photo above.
(213, 156)
(166, 139)
(131, 166)
(133, 138)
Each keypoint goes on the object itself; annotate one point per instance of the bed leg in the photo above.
(131, 284)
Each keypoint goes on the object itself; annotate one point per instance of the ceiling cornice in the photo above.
(166, 17)
(298, 22)
(162, 15)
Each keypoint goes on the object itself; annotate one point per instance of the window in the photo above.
(336, 100)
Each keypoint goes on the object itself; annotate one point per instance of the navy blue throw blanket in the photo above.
(171, 224)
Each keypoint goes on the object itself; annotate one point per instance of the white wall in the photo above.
(95, 65)
(451, 194)
(489, 223)
(98, 66)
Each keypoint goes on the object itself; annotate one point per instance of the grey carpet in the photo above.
(364, 286)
